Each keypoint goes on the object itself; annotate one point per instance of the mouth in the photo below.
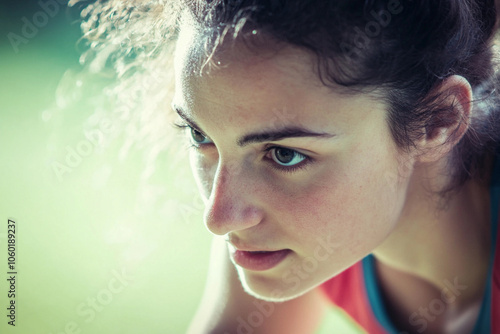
(259, 260)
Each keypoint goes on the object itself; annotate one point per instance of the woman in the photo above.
(347, 153)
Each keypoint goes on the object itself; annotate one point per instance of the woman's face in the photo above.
(286, 165)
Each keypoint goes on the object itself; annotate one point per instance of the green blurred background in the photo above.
(111, 245)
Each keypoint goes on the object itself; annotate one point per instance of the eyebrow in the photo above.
(259, 137)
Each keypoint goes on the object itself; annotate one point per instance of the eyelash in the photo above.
(302, 165)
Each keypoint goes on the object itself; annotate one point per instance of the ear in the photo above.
(451, 121)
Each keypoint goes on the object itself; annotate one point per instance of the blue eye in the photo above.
(286, 157)
(287, 160)
(198, 137)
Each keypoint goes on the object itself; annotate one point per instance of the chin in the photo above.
(272, 289)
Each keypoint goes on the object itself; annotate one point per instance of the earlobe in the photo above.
(450, 121)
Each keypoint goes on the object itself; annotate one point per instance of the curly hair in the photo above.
(405, 47)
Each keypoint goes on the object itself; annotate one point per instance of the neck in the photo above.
(436, 244)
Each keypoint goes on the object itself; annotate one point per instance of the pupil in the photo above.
(284, 155)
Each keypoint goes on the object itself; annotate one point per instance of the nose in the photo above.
(230, 206)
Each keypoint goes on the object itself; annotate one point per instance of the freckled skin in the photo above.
(344, 195)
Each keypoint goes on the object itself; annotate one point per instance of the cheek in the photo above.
(355, 203)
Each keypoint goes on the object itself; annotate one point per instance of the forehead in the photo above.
(254, 84)
(254, 56)
(235, 65)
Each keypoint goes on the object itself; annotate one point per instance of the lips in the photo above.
(259, 260)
